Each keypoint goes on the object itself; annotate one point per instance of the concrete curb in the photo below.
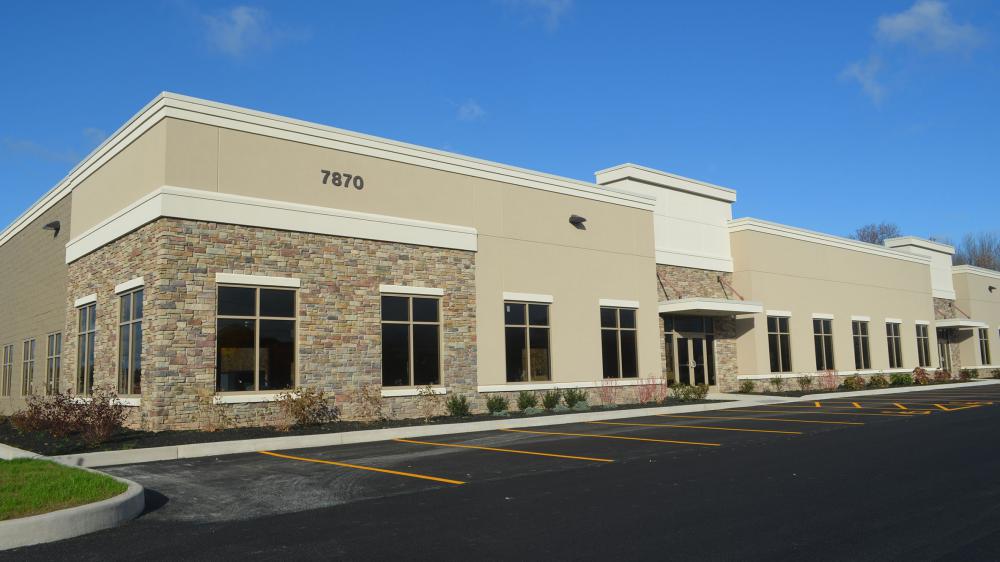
(876, 392)
(75, 521)
(9, 453)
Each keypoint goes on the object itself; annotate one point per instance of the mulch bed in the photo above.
(800, 393)
(43, 443)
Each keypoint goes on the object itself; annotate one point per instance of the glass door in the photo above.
(944, 350)
(683, 353)
(695, 359)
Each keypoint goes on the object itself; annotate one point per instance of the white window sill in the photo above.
(516, 386)
(128, 401)
(248, 398)
(820, 374)
(393, 392)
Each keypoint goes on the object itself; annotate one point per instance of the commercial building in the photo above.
(209, 257)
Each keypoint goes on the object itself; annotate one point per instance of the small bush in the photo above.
(369, 404)
(942, 375)
(854, 382)
(429, 402)
(457, 406)
(806, 383)
(700, 392)
(967, 374)
(746, 387)
(101, 416)
(574, 396)
(532, 411)
(878, 381)
(608, 393)
(306, 406)
(828, 380)
(900, 379)
(526, 399)
(687, 393)
(921, 377)
(551, 398)
(496, 403)
(59, 415)
(995, 373)
(777, 383)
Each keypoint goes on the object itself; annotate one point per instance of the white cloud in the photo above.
(470, 111)
(242, 29)
(865, 73)
(94, 135)
(928, 24)
(35, 150)
(550, 12)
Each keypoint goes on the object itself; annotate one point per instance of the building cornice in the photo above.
(973, 270)
(660, 178)
(919, 243)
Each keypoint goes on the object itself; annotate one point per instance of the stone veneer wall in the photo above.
(945, 308)
(339, 330)
(675, 282)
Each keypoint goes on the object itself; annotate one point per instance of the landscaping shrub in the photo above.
(777, 383)
(551, 399)
(900, 379)
(805, 383)
(828, 380)
(574, 396)
(746, 387)
(497, 403)
(58, 415)
(101, 416)
(428, 402)
(306, 406)
(995, 373)
(687, 393)
(967, 374)
(457, 406)
(854, 382)
(921, 377)
(700, 392)
(942, 375)
(878, 381)
(651, 390)
(369, 404)
(526, 399)
(608, 393)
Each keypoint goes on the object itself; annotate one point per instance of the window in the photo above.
(862, 357)
(130, 343)
(779, 344)
(923, 345)
(87, 329)
(53, 363)
(823, 340)
(895, 345)
(28, 367)
(984, 346)
(255, 339)
(411, 341)
(526, 332)
(8, 369)
(618, 343)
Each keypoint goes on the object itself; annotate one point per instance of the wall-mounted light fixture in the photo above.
(992, 288)
(54, 226)
(578, 222)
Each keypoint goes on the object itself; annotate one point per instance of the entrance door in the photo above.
(944, 349)
(695, 359)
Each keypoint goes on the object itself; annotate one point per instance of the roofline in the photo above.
(973, 270)
(168, 104)
(920, 243)
(700, 187)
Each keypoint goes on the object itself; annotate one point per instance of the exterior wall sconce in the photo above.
(578, 222)
(54, 226)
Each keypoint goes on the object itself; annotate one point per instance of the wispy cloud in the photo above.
(243, 29)
(549, 12)
(470, 110)
(94, 135)
(865, 73)
(928, 24)
(32, 149)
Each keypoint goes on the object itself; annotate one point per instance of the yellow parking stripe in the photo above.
(700, 427)
(824, 422)
(900, 406)
(498, 450)
(815, 412)
(598, 436)
(359, 467)
(946, 409)
(818, 405)
(856, 405)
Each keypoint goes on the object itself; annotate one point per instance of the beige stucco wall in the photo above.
(526, 243)
(33, 287)
(805, 277)
(974, 297)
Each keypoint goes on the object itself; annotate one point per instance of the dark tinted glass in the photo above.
(828, 349)
(237, 301)
(123, 359)
(710, 347)
(627, 318)
(92, 317)
(82, 324)
(668, 323)
(235, 357)
(513, 313)
(136, 357)
(818, 344)
(125, 307)
(783, 324)
(277, 354)
(517, 356)
(137, 304)
(609, 353)
(538, 314)
(395, 354)
(277, 303)
(772, 348)
(817, 326)
(630, 363)
(395, 308)
(425, 310)
(772, 324)
(539, 353)
(864, 328)
(786, 353)
(608, 318)
(426, 355)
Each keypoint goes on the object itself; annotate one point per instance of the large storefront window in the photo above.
(895, 345)
(862, 354)
(823, 342)
(86, 330)
(256, 339)
(618, 343)
(526, 334)
(984, 346)
(53, 363)
(779, 344)
(411, 341)
(130, 343)
(923, 345)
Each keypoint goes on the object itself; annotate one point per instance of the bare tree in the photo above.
(981, 249)
(876, 233)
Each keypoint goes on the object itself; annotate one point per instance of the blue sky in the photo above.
(825, 117)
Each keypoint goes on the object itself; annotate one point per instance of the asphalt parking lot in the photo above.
(913, 476)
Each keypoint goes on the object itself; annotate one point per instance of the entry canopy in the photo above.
(710, 307)
(960, 324)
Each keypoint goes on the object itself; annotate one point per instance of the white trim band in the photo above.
(516, 387)
(922, 322)
(527, 297)
(893, 321)
(779, 313)
(257, 280)
(861, 318)
(822, 316)
(247, 398)
(405, 290)
(83, 301)
(616, 303)
(129, 285)
(396, 392)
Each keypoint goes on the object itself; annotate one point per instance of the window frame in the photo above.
(7, 370)
(28, 351)
(895, 344)
(129, 324)
(256, 344)
(527, 337)
(824, 340)
(779, 347)
(85, 342)
(984, 347)
(53, 362)
(923, 332)
(409, 322)
(618, 329)
(862, 344)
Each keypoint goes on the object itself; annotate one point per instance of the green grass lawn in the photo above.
(30, 486)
